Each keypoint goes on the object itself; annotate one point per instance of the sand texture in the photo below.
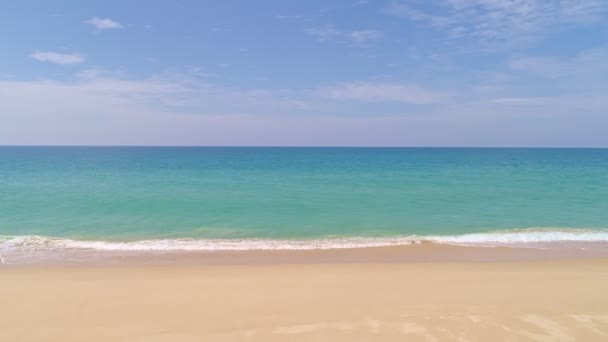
(559, 300)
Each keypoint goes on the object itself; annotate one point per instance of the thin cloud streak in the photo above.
(58, 58)
(178, 109)
(104, 23)
(381, 92)
(355, 37)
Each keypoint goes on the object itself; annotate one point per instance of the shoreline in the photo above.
(403, 254)
(505, 245)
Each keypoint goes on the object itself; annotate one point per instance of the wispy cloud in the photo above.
(589, 64)
(184, 109)
(547, 66)
(357, 37)
(323, 32)
(289, 16)
(525, 101)
(104, 23)
(58, 58)
(186, 91)
(381, 92)
(499, 21)
(365, 36)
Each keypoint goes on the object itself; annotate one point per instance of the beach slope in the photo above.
(439, 301)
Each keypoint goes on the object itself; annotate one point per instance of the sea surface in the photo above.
(216, 198)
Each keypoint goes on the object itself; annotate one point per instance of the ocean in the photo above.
(216, 198)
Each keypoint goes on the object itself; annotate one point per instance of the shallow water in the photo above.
(255, 197)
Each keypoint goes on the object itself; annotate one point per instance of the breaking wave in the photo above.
(532, 237)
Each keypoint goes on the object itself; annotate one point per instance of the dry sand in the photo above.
(548, 300)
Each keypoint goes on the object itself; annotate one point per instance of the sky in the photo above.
(305, 73)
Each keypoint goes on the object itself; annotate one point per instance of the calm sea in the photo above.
(256, 197)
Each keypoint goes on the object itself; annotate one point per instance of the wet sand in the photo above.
(416, 253)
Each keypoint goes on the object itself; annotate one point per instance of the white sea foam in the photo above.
(41, 243)
(533, 237)
(525, 237)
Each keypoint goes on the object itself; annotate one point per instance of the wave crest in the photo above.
(532, 237)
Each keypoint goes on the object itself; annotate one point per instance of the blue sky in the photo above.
(345, 73)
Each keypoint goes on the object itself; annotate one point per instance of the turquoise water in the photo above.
(236, 194)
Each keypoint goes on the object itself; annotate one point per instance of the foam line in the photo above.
(521, 237)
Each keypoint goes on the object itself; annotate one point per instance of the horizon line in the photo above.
(312, 146)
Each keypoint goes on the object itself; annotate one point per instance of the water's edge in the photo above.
(531, 237)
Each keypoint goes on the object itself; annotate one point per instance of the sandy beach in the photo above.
(304, 171)
(555, 299)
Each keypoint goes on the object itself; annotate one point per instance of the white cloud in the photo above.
(184, 92)
(288, 16)
(357, 37)
(58, 58)
(168, 108)
(500, 21)
(588, 64)
(176, 108)
(525, 101)
(104, 23)
(381, 92)
(324, 32)
(365, 36)
(583, 11)
(546, 66)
